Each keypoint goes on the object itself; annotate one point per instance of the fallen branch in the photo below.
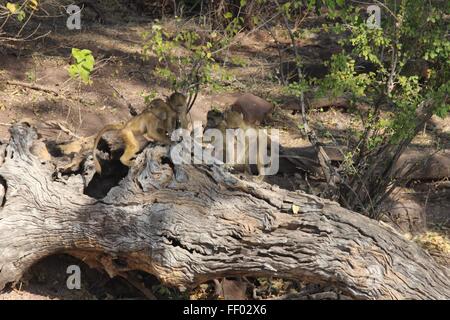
(33, 86)
(189, 224)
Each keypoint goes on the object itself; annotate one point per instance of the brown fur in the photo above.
(171, 120)
(178, 102)
(254, 109)
(232, 120)
(176, 109)
(39, 149)
(151, 124)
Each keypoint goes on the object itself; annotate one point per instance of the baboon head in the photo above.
(234, 119)
(178, 102)
(157, 103)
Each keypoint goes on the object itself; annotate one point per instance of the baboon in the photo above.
(254, 109)
(178, 102)
(151, 124)
(235, 120)
(176, 109)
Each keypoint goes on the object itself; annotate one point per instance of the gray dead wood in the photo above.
(190, 224)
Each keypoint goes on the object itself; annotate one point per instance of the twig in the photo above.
(330, 174)
(379, 3)
(283, 79)
(101, 63)
(394, 60)
(132, 109)
(192, 97)
(24, 24)
(63, 128)
(33, 86)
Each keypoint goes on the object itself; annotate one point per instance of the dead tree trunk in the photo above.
(189, 224)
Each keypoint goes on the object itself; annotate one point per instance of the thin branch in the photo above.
(330, 173)
(33, 86)
(132, 109)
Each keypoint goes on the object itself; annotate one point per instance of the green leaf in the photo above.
(330, 4)
(15, 9)
(12, 7)
(228, 15)
(83, 66)
(85, 76)
(21, 15)
(33, 4)
(73, 71)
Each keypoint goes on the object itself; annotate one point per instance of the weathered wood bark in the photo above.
(189, 224)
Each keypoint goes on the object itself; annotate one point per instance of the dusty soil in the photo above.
(85, 109)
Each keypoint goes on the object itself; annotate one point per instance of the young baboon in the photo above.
(235, 120)
(39, 149)
(214, 118)
(151, 124)
(176, 109)
(171, 119)
(178, 102)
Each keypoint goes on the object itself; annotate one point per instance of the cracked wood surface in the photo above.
(190, 224)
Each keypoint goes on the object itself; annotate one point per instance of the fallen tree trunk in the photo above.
(189, 224)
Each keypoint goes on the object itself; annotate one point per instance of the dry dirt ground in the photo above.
(119, 68)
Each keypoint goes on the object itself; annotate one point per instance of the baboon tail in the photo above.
(109, 127)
